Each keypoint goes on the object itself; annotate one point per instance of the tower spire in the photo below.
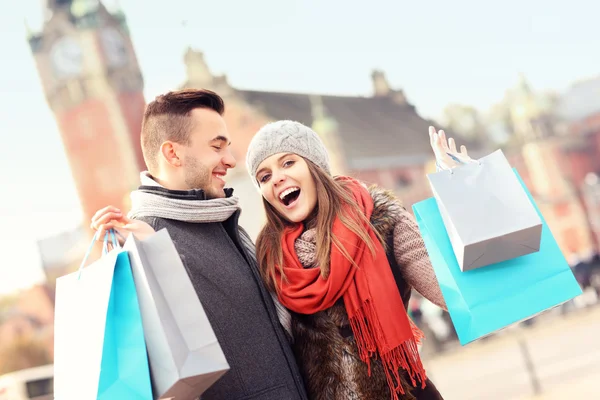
(28, 31)
(56, 5)
(80, 8)
(186, 34)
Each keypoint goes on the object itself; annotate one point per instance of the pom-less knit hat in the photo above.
(286, 137)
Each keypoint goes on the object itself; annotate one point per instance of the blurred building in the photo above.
(579, 112)
(379, 138)
(553, 141)
(468, 122)
(62, 253)
(93, 84)
(30, 317)
(92, 81)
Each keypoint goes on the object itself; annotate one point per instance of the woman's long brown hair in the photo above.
(332, 196)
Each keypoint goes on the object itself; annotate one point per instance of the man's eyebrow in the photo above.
(221, 138)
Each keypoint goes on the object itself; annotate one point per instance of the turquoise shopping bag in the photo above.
(490, 298)
(100, 351)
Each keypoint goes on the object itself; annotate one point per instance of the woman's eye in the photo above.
(288, 163)
(264, 178)
(217, 147)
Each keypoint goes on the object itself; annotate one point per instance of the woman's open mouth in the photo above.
(289, 197)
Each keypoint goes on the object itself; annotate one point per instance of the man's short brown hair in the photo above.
(168, 118)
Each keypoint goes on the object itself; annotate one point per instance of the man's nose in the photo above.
(229, 160)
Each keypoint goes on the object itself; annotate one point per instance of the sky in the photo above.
(438, 52)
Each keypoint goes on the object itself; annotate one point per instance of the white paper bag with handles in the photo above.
(486, 212)
(99, 347)
(184, 353)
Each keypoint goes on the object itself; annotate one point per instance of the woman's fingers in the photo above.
(452, 146)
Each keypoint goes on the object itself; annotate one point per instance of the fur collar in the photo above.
(386, 212)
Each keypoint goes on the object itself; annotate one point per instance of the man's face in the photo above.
(208, 157)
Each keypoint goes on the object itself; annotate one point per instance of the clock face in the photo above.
(114, 46)
(67, 57)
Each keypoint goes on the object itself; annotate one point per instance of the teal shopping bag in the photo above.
(100, 352)
(490, 298)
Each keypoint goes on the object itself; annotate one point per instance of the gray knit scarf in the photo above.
(148, 204)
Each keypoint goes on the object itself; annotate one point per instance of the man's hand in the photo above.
(446, 155)
(112, 218)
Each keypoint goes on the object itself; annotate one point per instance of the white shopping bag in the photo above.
(486, 212)
(184, 353)
(99, 347)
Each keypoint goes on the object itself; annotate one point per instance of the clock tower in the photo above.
(93, 85)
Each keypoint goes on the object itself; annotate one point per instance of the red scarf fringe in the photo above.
(367, 333)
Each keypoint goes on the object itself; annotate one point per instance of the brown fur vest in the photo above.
(323, 342)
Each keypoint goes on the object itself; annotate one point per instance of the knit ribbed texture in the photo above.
(148, 204)
(411, 254)
(285, 137)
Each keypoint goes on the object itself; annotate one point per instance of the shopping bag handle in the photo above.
(114, 241)
(458, 160)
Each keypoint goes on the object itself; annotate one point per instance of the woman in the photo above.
(343, 258)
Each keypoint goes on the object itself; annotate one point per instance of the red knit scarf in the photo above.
(377, 315)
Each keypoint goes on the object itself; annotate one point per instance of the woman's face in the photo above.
(286, 183)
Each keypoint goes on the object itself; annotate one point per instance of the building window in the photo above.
(402, 182)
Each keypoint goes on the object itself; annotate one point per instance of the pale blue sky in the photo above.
(461, 51)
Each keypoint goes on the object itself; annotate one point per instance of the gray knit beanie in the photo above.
(286, 137)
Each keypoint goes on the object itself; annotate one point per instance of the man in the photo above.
(186, 147)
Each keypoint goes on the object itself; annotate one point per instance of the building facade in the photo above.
(94, 87)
